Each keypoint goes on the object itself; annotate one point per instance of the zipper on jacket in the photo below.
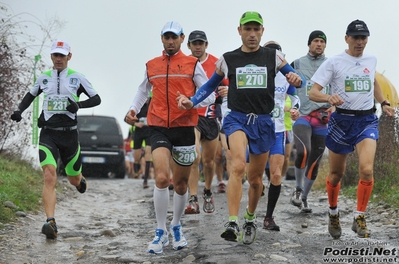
(58, 83)
(167, 90)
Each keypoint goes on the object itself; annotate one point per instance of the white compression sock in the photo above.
(161, 202)
(179, 204)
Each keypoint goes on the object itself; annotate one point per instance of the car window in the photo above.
(97, 125)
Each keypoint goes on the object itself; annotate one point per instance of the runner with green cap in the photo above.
(251, 17)
(251, 70)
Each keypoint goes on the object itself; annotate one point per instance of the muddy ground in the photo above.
(114, 221)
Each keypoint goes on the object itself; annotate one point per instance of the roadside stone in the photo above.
(386, 206)
(10, 204)
(110, 257)
(108, 232)
(289, 246)
(277, 257)
(112, 248)
(385, 214)
(189, 259)
(259, 256)
(20, 214)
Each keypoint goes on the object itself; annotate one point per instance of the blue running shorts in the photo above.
(258, 128)
(279, 145)
(346, 131)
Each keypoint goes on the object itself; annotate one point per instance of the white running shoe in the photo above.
(179, 241)
(295, 199)
(248, 234)
(160, 240)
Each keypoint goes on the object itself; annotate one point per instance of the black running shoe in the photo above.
(232, 231)
(50, 229)
(269, 224)
(82, 186)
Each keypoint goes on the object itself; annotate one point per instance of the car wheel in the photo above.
(121, 171)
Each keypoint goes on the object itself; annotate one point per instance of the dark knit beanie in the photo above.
(317, 34)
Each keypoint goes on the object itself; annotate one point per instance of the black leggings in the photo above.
(309, 150)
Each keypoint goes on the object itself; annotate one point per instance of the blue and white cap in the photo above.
(173, 27)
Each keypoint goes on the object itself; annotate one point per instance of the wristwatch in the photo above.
(385, 102)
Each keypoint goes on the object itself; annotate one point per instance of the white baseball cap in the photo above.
(60, 46)
(173, 27)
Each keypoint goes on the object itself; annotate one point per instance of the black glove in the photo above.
(73, 107)
(219, 100)
(16, 116)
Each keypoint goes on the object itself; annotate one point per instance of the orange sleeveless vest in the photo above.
(169, 75)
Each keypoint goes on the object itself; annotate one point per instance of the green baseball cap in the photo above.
(251, 17)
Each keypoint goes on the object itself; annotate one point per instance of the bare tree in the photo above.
(20, 49)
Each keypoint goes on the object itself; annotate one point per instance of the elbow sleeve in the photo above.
(92, 101)
(26, 101)
(288, 68)
(205, 90)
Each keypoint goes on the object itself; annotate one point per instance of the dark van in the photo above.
(102, 146)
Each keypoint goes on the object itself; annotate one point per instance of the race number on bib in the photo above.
(277, 111)
(184, 156)
(309, 85)
(251, 77)
(57, 103)
(357, 85)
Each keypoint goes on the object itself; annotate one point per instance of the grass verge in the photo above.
(20, 184)
(385, 190)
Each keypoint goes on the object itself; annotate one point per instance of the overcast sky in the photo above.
(113, 39)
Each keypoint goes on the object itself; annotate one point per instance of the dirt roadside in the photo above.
(114, 221)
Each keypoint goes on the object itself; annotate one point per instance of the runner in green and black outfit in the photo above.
(61, 87)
